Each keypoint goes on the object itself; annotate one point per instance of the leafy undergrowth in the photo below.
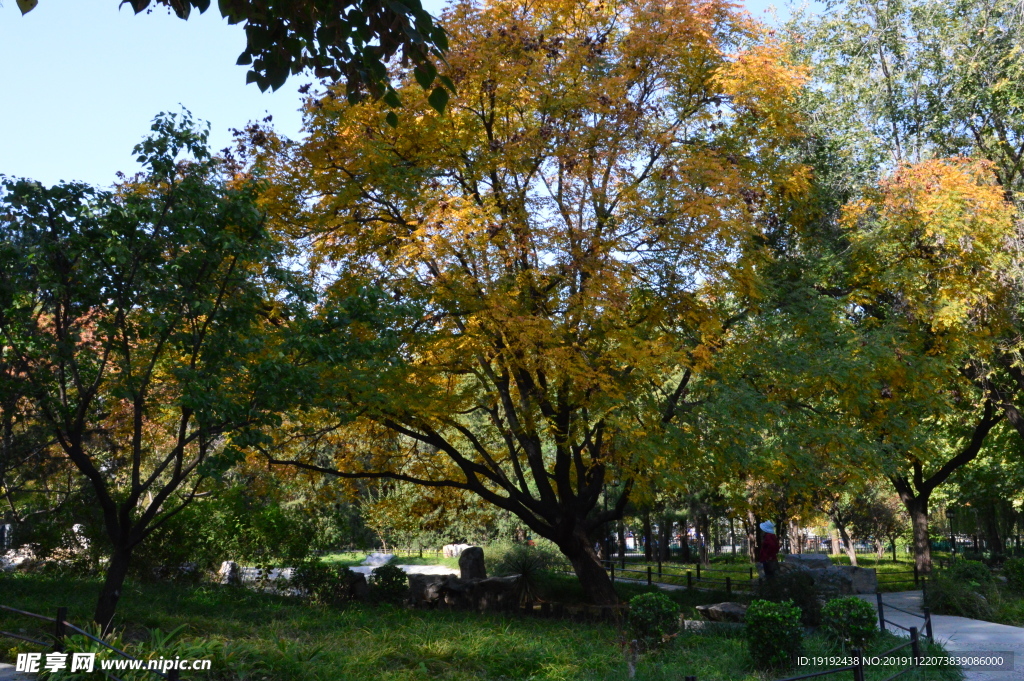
(989, 601)
(273, 638)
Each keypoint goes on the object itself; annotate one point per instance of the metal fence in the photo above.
(60, 631)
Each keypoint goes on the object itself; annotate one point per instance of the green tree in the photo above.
(143, 322)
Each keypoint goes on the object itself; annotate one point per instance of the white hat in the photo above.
(768, 526)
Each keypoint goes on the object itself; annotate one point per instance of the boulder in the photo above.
(22, 558)
(453, 550)
(495, 593)
(377, 559)
(229, 573)
(723, 612)
(471, 563)
(833, 581)
(355, 586)
(426, 590)
(812, 561)
(784, 568)
(864, 580)
(844, 580)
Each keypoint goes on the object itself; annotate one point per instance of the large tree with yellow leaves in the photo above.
(578, 232)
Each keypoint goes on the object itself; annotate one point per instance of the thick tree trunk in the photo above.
(684, 540)
(782, 532)
(664, 538)
(648, 539)
(915, 489)
(752, 543)
(851, 551)
(110, 594)
(918, 510)
(704, 539)
(835, 542)
(992, 536)
(597, 585)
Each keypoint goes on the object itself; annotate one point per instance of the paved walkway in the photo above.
(7, 673)
(959, 634)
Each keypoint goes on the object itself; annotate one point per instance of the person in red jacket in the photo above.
(768, 556)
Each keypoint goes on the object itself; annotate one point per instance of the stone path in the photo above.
(959, 634)
(7, 673)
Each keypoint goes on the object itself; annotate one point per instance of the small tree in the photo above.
(139, 320)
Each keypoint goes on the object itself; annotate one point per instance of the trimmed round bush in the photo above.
(774, 634)
(1013, 569)
(652, 617)
(390, 584)
(850, 620)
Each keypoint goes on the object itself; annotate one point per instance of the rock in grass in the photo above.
(229, 573)
(426, 590)
(377, 559)
(811, 561)
(471, 563)
(453, 550)
(723, 612)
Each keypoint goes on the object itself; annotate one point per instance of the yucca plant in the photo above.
(528, 564)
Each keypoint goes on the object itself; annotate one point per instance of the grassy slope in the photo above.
(278, 639)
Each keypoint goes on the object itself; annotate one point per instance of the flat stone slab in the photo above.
(723, 612)
(809, 560)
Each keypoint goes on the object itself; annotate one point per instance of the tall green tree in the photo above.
(143, 324)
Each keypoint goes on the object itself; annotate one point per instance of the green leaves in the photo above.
(27, 6)
(438, 99)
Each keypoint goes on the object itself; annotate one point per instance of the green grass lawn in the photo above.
(260, 636)
(898, 576)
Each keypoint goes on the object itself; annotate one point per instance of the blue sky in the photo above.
(81, 81)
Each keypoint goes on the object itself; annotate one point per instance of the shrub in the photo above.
(774, 634)
(323, 583)
(796, 586)
(529, 563)
(159, 644)
(850, 620)
(1013, 569)
(948, 596)
(973, 572)
(652, 617)
(390, 584)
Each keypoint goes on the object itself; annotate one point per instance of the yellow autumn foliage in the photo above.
(576, 228)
